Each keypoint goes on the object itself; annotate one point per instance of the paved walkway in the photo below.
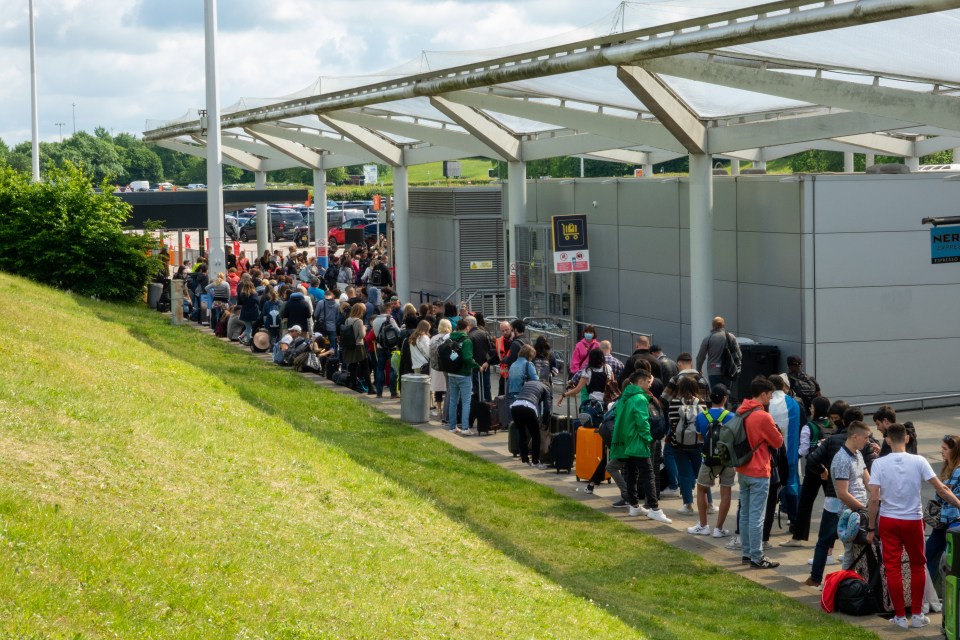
(788, 579)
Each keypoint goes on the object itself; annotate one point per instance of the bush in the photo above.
(61, 233)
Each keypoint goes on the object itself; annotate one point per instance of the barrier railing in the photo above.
(922, 401)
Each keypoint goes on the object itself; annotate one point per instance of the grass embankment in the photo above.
(155, 482)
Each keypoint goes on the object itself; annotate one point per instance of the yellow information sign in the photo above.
(481, 264)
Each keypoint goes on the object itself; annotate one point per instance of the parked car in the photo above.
(337, 234)
(195, 185)
(373, 231)
(284, 225)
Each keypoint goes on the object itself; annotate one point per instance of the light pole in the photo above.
(35, 160)
(60, 124)
(74, 105)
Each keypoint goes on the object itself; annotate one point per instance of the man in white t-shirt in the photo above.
(895, 480)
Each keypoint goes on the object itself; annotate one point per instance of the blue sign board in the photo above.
(944, 245)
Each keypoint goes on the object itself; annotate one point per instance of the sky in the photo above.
(118, 64)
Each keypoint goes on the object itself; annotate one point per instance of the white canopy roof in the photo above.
(648, 82)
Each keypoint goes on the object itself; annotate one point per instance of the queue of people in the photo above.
(667, 416)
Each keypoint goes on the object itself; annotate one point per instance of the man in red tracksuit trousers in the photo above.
(762, 434)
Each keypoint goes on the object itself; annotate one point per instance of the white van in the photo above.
(140, 185)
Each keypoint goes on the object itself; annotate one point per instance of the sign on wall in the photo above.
(944, 245)
(570, 252)
(370, 174)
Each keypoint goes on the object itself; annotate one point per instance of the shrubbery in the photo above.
(60, 232)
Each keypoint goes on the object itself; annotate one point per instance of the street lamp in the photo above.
(74, 105)
(60, 124)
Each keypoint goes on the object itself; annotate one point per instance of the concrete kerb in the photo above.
(786, 579)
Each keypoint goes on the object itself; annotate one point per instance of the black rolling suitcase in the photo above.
(482, 414)
(561, 451)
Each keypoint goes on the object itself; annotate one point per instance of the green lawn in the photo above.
(156, 483)
(470, 169)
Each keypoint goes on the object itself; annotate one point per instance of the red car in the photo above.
(337, 234)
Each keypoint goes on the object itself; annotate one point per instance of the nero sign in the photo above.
(944, 245)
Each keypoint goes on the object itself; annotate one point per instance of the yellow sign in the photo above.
(571, 231)
(481, 264)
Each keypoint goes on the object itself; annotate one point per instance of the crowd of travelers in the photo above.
(667, 425)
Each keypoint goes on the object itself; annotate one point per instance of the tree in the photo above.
(142, 164)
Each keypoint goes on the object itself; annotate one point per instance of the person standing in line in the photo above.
(896, 511)
(711, 353)
(762, 435)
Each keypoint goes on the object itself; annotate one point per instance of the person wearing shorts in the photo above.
(708, 475)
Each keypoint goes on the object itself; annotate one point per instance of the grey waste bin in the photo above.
(153, 294)
(415, 398)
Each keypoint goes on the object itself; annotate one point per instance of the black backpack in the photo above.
(804, 387)
(330, 277)
(449, 355)
(389, 336)
(854, 597)
(348, 338)
(711, 456)
(376, 276)
(658, 422)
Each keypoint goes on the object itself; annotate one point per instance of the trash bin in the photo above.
(154, 293)
(415, 399)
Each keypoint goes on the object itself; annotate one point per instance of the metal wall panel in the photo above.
(767, 204)
(651, 249)
(768, 312)
(881, 314)
(770, 258)
(648, 203)
(597, 199)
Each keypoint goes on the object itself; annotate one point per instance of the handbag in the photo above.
(931, 515)
(611, 390)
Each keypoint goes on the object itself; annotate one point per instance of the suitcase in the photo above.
(492, 411)
(589, 453)
(483, 418)
(513, 439)
(503, 411)
(561, 451)
(330, 368)
(560, 423)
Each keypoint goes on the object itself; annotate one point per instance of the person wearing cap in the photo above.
(709, 474)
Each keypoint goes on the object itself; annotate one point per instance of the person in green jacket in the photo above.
(460, 384)
(633, 443)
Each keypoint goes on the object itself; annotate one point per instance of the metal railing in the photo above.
(912, 401)
(622, 340)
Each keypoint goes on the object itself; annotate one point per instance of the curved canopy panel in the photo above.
(646, 81)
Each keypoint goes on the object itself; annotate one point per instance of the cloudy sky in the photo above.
(122, 63)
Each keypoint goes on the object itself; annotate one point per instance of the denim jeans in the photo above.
(688, 466)
(825, 540)
(936, 545)
(753, 504)
(670, 464)
(460, 388)
(383, 361)
(247, 330)
(332, 337)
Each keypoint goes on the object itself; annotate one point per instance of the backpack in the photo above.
(331, 276)
(733, 447)
(658, 424)
(277, 353)
(711, 457)
(728, 363)
(389, 336)
(804, 387)
(606, 426)
(271, 314)
(348, 337)
(298, 346)
(376, 276)
(684, 433)
(448, 355)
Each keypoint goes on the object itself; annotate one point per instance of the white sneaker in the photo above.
(468, 432)
(713, 509)
(685, 510)
(670, 493)
(638, 511)
(936, 607)
(542, 467)
(699, 530)
(659, 516)
(734, 543)
(900, 622)
(830, 560)
(720, 533)
(919, 620)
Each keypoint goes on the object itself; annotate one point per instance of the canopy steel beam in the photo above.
(314, 140)
(713, 32)
(940, 143)
(801, 129)
(884, 144)
(296, 152)
(242, 159)
(679, 119)
(910, 106)
(434, 135)
(569, 145)
(492, 135)
(629, 131)
(619, 155)
(383, 149)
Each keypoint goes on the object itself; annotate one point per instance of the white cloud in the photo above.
(122, 63)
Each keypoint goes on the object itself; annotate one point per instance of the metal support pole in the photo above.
(848, 161)
(871, 159)
(760, 164)
(647, 170)
(701, 248)
(734, 167)
(516, 215)
(320, 216)
(401, 232)
(913, 162)
(180, 246)
(956, 155)
(217, 259)
(263, 225)
(35, 127)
